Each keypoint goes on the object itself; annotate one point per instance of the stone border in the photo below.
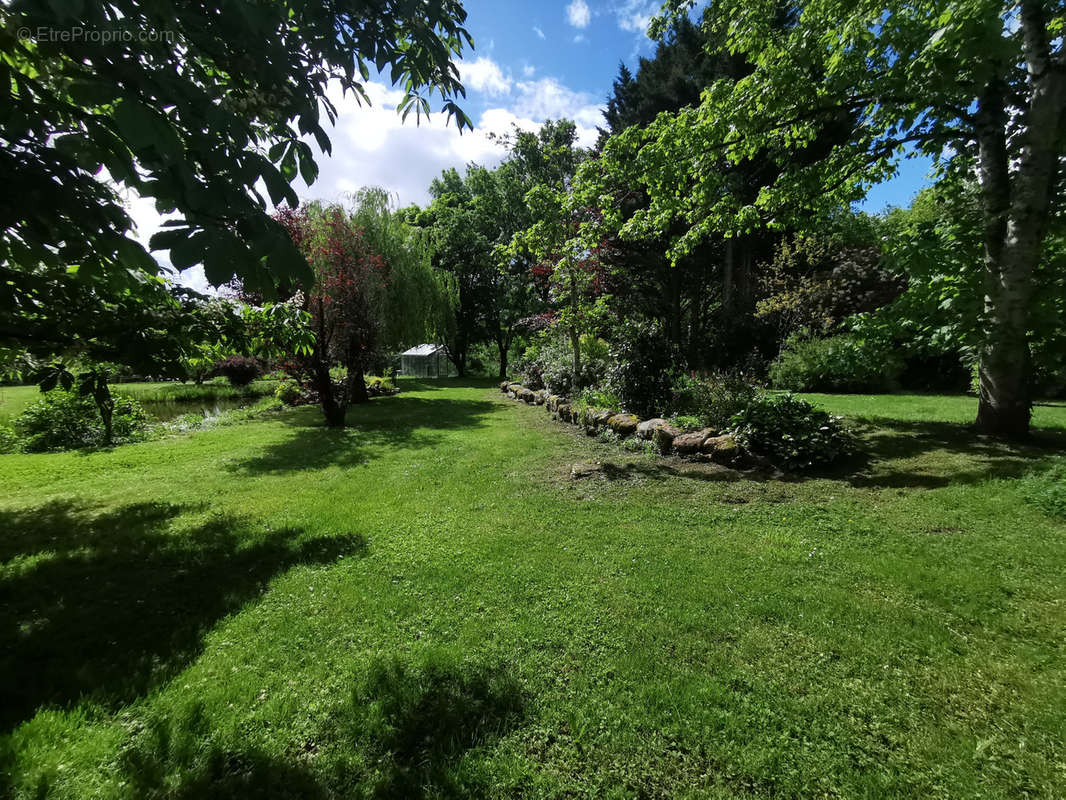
(702, 443)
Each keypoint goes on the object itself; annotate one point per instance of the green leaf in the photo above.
(308, 167)
(189, 252)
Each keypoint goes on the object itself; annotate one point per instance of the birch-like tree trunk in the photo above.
(1017, 189)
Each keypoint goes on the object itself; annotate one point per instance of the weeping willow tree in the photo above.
(418, 302)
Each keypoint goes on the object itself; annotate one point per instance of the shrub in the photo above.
(290, 393)
(65, 421)
(844, 363)
(793, 433)
(548, 363)
(686, 421)
(238, 370)
(599, 398)
(640, 371)
(714, 400)
(377, 386)
(9, 440)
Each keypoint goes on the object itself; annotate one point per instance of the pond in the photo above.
(164, 410)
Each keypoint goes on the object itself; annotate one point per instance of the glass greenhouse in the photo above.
(427, 361)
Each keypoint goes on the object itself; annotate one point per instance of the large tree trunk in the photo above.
(105, 404)
(1016, 208)
(356, 384)
(503, 347)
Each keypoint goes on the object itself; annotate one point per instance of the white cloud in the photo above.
(635, 15)
(373, 147)
(548, 99)
(580, 38)
(578, 14)
(528, 70)
(539, 32)
(484, 75)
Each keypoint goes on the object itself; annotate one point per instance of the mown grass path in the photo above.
(426, 605)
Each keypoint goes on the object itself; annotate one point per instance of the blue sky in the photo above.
(531, 61)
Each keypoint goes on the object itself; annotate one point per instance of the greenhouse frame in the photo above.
(427, 361)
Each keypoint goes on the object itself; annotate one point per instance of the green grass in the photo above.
(155, 396)
(426, 605)
(927, 407)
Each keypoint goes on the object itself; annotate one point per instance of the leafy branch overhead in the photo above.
(197, 110)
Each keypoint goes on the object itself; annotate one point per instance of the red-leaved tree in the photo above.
(343, 303)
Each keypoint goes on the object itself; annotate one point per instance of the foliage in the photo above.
(417, 301)
(937, 321)
(290, 393)
(793, 433)
(238, 370)
(674, 77)
(374, 289)
(9, 440)
(548, 363)
(974, 84)
(842, 363)
(471, 224)
(713, 399)
(63, 420)
(569, 265)
(378, 386)
(599, 398)
(819, 278)
(640, 370)
(198, 140)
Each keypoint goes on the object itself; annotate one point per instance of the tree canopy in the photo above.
(193, 108)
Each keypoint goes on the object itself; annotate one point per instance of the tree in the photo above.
(980, 85)
(192, 105)
(64, 321)
(544, 165)
(373, 288)
(464, 223)
(471, 223)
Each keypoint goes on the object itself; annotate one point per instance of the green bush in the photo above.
(713, 400)
(377, 386)
(290, 393)
(9, 440)
(66, 421)
(639, 374)
(793, 433)
(844, 363)
(599, 398)
(548, 363)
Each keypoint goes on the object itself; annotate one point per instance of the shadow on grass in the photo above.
(107, 605)
(636, 471)
(898, 454)
(931, 455)
(403, 732)
(383, 424)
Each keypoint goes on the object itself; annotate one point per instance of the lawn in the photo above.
(426, 605)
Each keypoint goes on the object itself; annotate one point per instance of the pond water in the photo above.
(166, 410)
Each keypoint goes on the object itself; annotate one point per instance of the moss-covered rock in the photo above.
(690, 442)
(624, 424)
(722, 449)
(646, 429)
(664, 437)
